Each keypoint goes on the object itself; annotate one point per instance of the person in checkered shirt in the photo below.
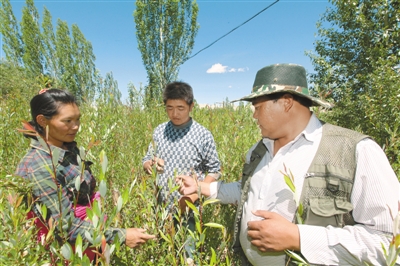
(180, 146)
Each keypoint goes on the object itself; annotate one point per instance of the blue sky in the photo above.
(226, 70)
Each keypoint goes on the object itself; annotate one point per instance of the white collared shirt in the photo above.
(375, 188)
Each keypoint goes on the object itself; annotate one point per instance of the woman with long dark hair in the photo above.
(56, 120)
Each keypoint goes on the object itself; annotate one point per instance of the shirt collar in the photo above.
(183, 126)
(69, 145)
(312, 130)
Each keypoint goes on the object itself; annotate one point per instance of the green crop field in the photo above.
(125, 133)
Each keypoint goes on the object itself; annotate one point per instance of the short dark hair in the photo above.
(178, 91)
(47, 103)
(276, 96)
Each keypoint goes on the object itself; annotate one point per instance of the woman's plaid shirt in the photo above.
(37, 166)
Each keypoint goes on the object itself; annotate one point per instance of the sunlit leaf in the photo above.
(213, 259)
(164, 237)
(215, 225)
(66, 251)
(78, 246)
(103, 188)
(82, 153)
(77, 183)
(119, 204)
(289, 182)
(295, 256)
(55, 156)
(192, 207)
(44, 144)
(210, 201)
(88, 237)
(103, 161)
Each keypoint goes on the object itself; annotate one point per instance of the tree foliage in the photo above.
(356, 61)
(31, 39)
(60, 58)
(12, 43)
(165, 32)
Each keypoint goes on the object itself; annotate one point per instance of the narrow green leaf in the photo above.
(125, 195)
(77, 183)
(210, 201)
(213, 259)
(289, 183)
(43, 143)
(43, 210)
(79, 160)
(295, 256)
(82, 153)
(88, 237)
(66, 251)
(103, 161)
(55, 156)
(97, 240)
(165, 237)
(191, 206)
(78, 246)
(215, 225)
(51, 171)
(95, 220)
(119, 204)
(103, 188)
(132, 185)
(51, 184)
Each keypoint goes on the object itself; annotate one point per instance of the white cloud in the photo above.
(219, 68)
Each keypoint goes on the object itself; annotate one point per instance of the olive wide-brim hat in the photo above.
(289, 78)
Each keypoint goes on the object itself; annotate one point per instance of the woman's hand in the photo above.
(137, 236)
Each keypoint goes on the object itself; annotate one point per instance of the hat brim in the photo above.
(315, 101)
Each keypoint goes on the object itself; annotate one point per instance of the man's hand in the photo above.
(136, 237)
(148, 165)
(187, 184)
(273, 233)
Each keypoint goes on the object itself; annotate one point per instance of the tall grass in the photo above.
(125, 132)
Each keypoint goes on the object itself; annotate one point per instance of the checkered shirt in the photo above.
(34, 166)
(185, 149)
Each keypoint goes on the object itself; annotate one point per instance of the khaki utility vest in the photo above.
(327, 184)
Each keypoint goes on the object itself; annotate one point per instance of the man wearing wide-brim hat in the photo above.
(319, 191)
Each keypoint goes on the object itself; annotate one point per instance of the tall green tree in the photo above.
(31, 37)
(62, 58)
(165, 31)
(65, 59)
(356, 55)
(49, 46)
(84, 64)
(12, 43)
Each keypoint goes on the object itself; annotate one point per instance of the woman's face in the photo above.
(63, 126)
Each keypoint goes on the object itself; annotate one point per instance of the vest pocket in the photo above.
(327, 211)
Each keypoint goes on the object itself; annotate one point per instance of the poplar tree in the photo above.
(49, 47)
(64, 57)
(165, 31)
(12, 43)
(83, 67)
(31, 38)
